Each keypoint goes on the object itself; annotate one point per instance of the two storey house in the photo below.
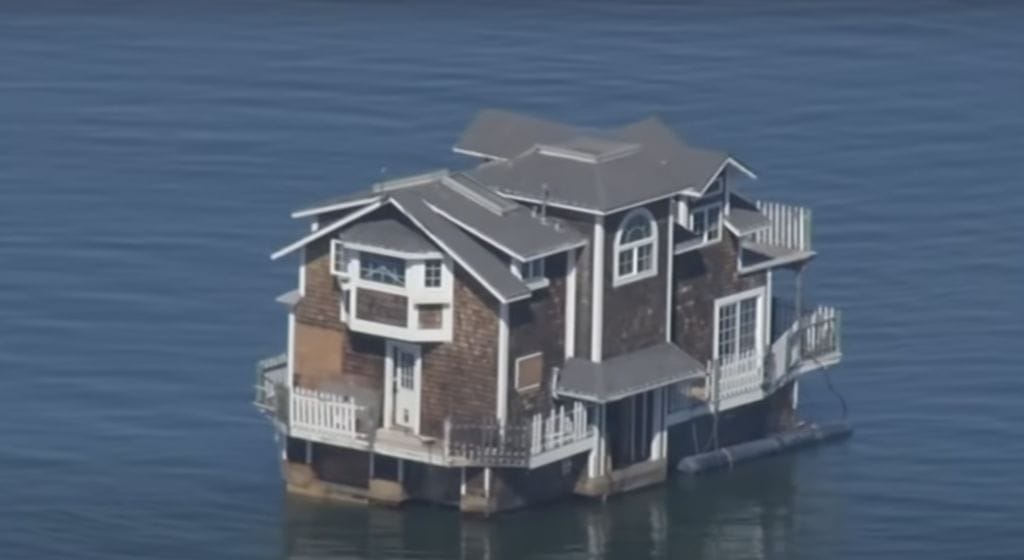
(574, 312)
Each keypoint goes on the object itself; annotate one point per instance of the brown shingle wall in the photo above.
(319, 306)
(584, 224)
(460, 376)
(701, 277)
(634, 313)
(538, 325)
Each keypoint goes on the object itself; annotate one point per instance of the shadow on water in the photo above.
(748, 512)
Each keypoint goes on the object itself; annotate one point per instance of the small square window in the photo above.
(432, 274)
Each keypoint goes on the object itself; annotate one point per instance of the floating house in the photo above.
(574, 313)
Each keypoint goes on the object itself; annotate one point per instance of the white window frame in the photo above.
(635, 275)
(414, 290)
(533, 273)
(706, 210)
(405, 271)
(759, 322)
(338, 252)
(427, 276)
(521, 359)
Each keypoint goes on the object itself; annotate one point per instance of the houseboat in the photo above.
(574, 312)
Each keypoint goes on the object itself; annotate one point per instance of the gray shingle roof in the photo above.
(387, 234)
(744, 220)
(629, 374)
(489, 269)
(598, 171)
(504, 134)
(515, 230)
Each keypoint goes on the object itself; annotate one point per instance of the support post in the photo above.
(798, 306)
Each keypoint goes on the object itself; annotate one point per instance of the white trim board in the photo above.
(315, 210)
(324, 231)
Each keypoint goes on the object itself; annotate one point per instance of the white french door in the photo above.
(739, 325)
(404, 377)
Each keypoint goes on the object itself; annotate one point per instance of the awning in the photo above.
(626, 375)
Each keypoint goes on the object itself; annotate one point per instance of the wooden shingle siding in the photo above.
(459, 378)
(584, 224)
(319, 306)
(382, 307)
(701, 277)
(319, 334)
(364, 360)
(634, 313)
(538, 325)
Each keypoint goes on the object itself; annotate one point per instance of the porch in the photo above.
(345, 420)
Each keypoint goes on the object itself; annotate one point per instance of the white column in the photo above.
(657, 424)
(570, 303)
(669, 263)
(597, 297)
(501, 408)
(487, 482)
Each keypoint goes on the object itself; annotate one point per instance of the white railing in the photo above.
(327, 415)
(540, 439)
(561, 427)
(820, 332)
(737, 378)
(790, 226)
(810, 342)
(271, 381)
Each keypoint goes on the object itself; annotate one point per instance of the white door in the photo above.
(404, 369)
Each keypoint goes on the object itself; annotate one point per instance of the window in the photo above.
(706, 221)
(737, 322)
(382, 269)
(529, 371)
(432, 273)
(337, 258)
(532, 270)
(634, 247)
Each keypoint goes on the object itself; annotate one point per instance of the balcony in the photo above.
(811, 342)
(344, 421)
(786, 240)
(801, 346)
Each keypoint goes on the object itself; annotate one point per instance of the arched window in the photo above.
(636, 255)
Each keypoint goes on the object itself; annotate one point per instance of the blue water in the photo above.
(150, 153)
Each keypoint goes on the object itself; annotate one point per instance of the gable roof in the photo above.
(410, 196)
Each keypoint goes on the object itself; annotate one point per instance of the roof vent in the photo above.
(411, 181)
